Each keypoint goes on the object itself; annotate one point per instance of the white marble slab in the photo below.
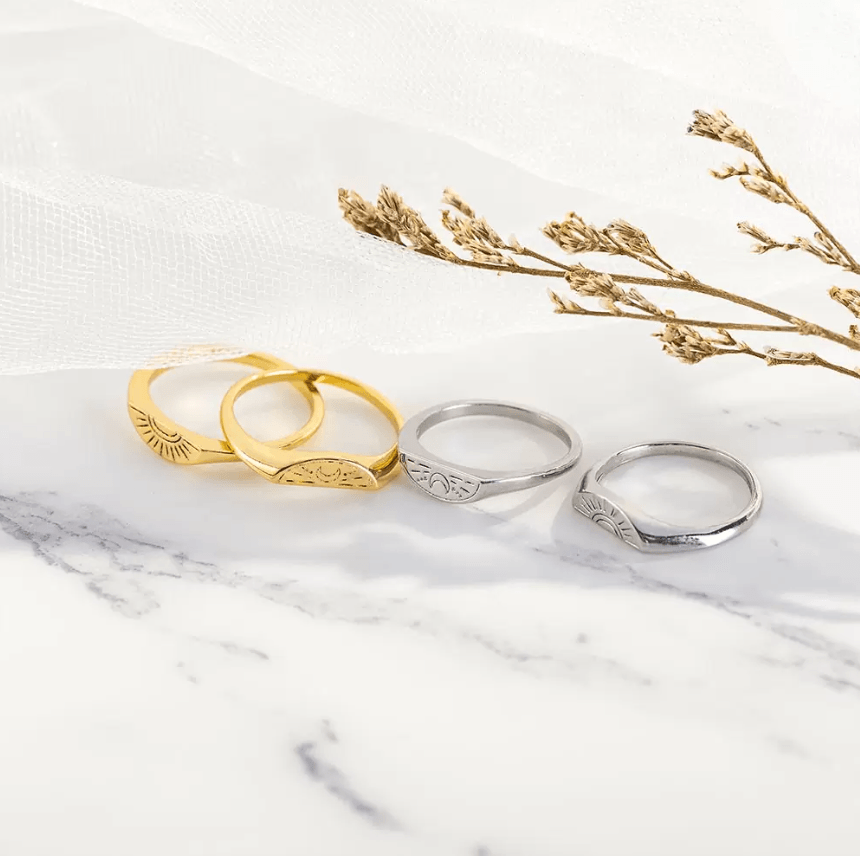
(193, 661)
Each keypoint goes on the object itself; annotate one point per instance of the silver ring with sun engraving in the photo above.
(450, 482)
(644, 532)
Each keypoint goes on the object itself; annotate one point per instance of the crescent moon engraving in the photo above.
(328, 472)
(440, 482)
(437, 483)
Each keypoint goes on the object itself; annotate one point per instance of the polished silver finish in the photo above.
(450, 482)
(611, 512)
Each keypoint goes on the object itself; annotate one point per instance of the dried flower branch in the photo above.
(763, 181)
(392, 220)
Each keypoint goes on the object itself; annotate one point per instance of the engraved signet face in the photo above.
(171, 445)
(328, 472)
(440, 481)
(606, 515)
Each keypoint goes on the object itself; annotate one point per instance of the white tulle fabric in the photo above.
(169, 168)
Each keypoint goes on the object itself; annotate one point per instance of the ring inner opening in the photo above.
(681, 490)
(351, 424)
(191, 396)
(493, 443)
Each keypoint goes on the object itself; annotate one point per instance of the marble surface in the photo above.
(193, 661)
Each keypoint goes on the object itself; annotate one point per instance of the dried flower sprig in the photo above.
(764, 181)
(391, 218)
(688, 345)
(683, 338)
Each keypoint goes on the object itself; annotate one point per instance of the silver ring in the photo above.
(647, 533)
(450, 482)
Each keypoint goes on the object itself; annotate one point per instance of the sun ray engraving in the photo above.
(439, 482)
(170, 445)
(606, 515)
(328, 472)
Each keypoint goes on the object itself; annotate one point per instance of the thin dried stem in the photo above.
(531, 254)
(816, 361)
(773, 357)
(661, 318)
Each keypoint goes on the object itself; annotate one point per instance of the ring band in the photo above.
(180, 445)
(645, 532)
(451, 482)
(311, 467)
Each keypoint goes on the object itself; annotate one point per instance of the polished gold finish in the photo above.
(180, 445)
(303, 466)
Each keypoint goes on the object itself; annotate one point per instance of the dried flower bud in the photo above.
(724, 338)
(565, 306)
(591, 283)
(685, 343)
(634, 241)
(848, 297)
(478, 238)
(823, 251)
(728, 171)
(410, 225)
(574, 235)
(492, 257)
(777, 357)
(767, 189)
(823, 241)
(718, 126)
(689, 346)
(764, 242)
(364, 216)
(822, 247)
(610, 305)
(449, 197)
(485, 233)
(639, 301)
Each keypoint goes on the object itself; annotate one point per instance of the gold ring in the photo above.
(180, 445)
(306, 467)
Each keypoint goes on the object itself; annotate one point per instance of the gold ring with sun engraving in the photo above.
(180, 445)
(311, 467)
